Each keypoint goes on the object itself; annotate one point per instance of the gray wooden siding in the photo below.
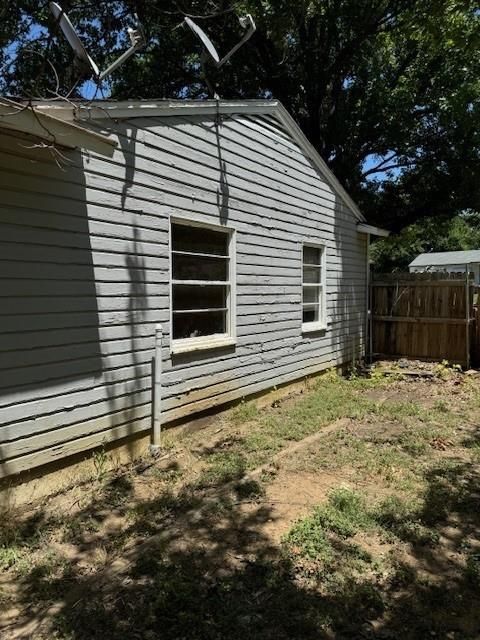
(84, 278)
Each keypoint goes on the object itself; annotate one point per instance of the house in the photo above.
(217, 220)
(450, 261)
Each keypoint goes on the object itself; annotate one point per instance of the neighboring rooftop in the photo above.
(446, 258)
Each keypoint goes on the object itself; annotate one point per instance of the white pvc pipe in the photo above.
(157, 387)
(368, 312)
(467, 313)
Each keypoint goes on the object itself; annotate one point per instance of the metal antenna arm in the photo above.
(138, 41)
(246, 20)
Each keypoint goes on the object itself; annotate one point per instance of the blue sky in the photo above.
(89, 90)
(372, 161)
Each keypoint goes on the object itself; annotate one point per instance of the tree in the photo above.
(436, 233)
(386, 90)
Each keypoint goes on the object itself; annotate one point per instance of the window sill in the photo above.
(313, 327)
(192, 345)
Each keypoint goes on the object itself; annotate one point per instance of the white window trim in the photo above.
(214, 341)
(321, 325)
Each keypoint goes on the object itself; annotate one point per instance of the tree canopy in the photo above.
(427, 235)
(388, 91)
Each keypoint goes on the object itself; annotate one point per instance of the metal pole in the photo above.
(467, 312)
(368, 320)
(157, 390)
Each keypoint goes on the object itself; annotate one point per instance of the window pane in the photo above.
(199, 297)
(312, 255)
(311, 314)
(312, 274)
(195, 325)
(310, 294)
(198, 268)
(199, 240)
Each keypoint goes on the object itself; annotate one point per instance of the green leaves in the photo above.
(362, 78)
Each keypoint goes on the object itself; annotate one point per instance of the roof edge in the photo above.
(160, 108)
(372, 230)
(294, 128)
(446, 258)
(47, 127)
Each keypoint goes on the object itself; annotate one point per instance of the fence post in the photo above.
(157, 391)
(467, 313)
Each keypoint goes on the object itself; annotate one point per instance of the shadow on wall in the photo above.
(128, 144)
(223, 189)
(49, 335)
(350, 307)
(130, 400)
(346, 284)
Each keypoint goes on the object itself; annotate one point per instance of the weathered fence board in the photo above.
(429, 316)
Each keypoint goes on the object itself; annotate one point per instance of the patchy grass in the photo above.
(343, 516)
(372, 530)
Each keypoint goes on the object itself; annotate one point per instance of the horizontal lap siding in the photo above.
(84, 273)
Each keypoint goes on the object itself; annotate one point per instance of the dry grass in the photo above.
(370, 531)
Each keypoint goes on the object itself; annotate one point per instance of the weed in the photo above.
(345, 513)
(444, 370)
(402, 410)
(218, 508)
(77, 528)
(245, 412)
(249, 490)
(18, 538)
(472, 569)
(307, 538)
(475, 451)
(170, 475)
(100, 463)
(401, 519)
(222, 468)
(46, 576)
(9, 556)
(414, 442)
(440, 405)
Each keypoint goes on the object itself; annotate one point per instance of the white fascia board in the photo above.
(46, 127)
(294, 129)
(373, 231)
(165, 108)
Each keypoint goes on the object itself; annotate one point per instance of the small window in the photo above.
(314, 288)
(202, 290)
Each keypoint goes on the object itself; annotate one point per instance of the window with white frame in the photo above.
(202, 295)
(314, 287)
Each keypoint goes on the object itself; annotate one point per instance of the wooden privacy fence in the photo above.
(429, 316)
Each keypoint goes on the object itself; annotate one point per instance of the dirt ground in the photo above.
(351, 510)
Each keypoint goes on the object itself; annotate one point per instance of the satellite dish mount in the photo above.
(137, 39)
(209, 50)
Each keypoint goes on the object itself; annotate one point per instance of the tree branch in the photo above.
(398, 165)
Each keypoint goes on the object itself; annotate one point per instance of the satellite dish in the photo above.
(73, 40)
(137, 39)
(246, 22)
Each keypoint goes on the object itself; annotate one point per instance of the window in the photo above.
(314, 288)
(202, 286)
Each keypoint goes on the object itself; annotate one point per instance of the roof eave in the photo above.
(372, 230)
(48, 128)
(165, 108)
(301, 139)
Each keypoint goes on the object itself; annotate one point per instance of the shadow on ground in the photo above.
(197, 564)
